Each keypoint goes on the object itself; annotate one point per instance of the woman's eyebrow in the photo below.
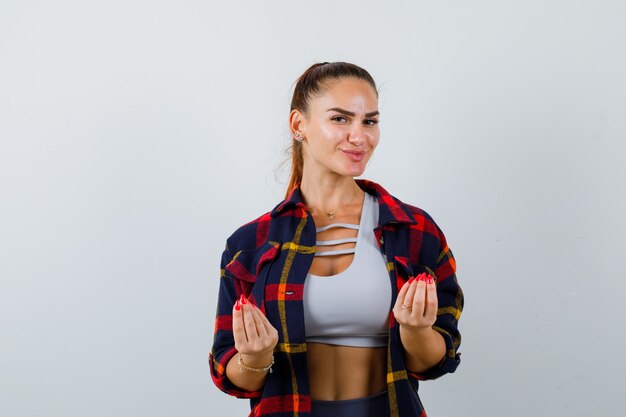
(351, 114)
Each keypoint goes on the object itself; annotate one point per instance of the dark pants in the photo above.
(372, 406)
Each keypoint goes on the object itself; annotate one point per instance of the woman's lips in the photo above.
(355, 156)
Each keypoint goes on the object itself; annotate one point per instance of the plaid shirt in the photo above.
(268, 260)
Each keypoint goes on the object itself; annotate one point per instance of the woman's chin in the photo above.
(355, 170)
(352, 172)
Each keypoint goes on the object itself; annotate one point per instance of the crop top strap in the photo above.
(330, 226)
(336, 241)
(335, 252)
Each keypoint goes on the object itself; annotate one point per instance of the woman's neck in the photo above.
(330, 193)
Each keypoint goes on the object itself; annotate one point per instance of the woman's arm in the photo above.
(228, 342)
(416, 312)
(255, 339)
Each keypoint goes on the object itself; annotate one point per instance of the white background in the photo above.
(135, 136)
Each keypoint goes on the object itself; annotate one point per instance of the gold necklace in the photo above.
(331, 214)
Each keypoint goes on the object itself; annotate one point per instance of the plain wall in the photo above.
(136, 136)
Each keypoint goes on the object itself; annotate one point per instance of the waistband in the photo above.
(371, 406)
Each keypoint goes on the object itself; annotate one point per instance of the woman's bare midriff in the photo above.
(345, 372)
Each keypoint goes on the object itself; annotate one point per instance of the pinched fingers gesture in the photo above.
(416, 305)
(254, 335)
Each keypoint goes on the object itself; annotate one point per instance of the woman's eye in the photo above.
(339, 119)
(371, 122)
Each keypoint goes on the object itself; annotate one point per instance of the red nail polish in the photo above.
(237, 305)
(430, 279)
(411, 280)
(420, 277)
(243, 299)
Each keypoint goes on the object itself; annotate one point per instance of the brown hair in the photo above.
(310, 83)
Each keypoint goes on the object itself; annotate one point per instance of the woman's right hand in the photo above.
(255, 338)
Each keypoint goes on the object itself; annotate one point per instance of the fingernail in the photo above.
(237, 305)
(421, 277)
(243, 299)
(430, 279)
(411, 280)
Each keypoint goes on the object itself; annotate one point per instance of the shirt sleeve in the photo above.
(450, 299)
(223, 348)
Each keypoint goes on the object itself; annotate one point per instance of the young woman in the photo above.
(341, 298)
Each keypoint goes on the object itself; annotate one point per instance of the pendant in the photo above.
(331, 215)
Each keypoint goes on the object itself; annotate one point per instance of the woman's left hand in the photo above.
(416, 305)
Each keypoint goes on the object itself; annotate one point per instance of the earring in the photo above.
(297, 137)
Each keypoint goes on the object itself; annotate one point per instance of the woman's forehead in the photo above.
(348, 93)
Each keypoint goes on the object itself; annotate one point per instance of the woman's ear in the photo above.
(297, 123)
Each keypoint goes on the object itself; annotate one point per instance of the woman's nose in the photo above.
(356, 136)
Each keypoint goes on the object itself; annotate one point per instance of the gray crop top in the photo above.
(352, 307)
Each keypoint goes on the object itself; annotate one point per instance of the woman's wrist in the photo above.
(257, 360)
(423, 347)
(244, 379)
(243, 366)
(417, 332)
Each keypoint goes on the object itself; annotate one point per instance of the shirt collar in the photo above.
(391, 210)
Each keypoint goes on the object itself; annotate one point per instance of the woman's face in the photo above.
(340, 129)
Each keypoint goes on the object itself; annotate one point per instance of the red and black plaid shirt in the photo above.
(268, 260)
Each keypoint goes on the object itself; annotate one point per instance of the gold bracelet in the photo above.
(243, 366)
